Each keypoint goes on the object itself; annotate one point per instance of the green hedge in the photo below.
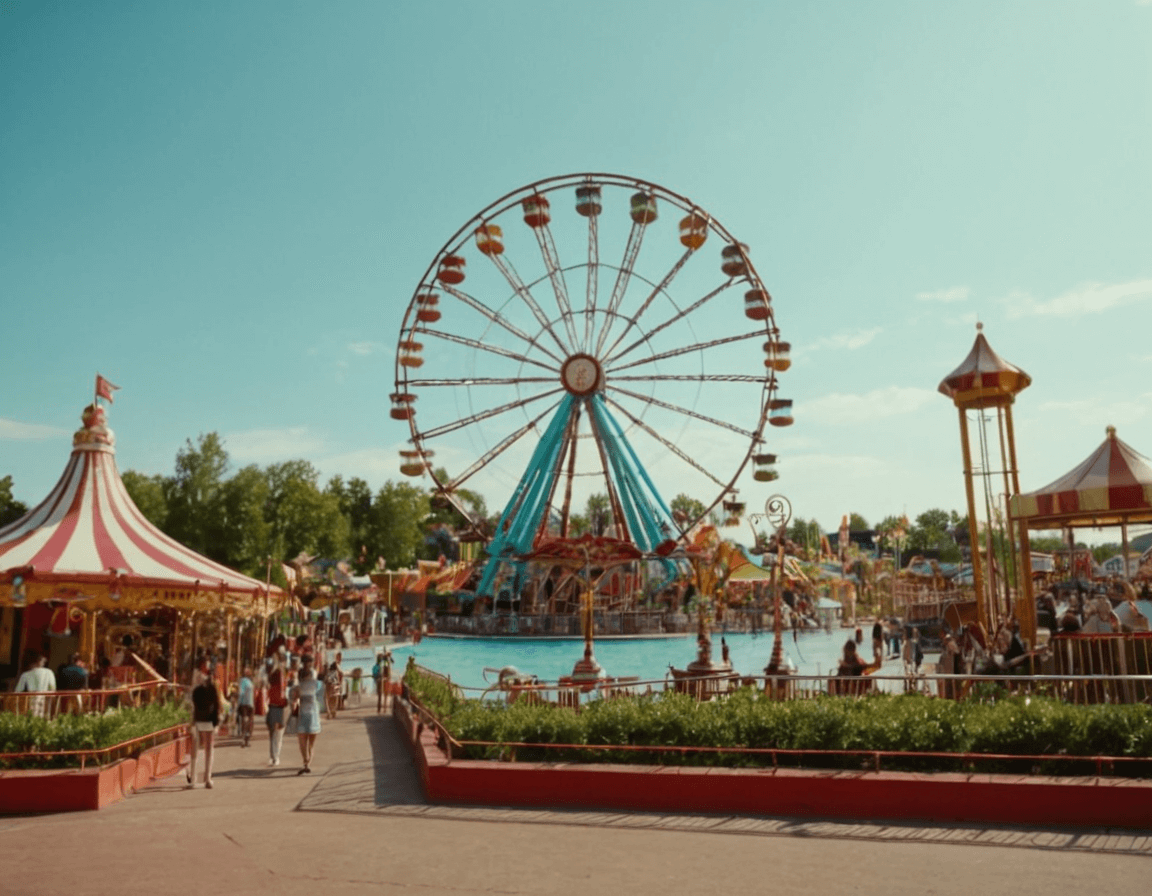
(748, 718)
(23, 733)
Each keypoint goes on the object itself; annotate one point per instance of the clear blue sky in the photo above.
(225, 208)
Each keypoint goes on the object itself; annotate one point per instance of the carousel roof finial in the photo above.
(95, 435)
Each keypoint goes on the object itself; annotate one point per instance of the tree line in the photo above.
(244, 518)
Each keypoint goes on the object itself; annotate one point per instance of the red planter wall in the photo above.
(1112, 802)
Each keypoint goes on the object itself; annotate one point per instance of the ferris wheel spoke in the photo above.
(631, 250)
(678, 316)
(695, 378)
(483, 415)
(485, 346)
(687, 349)
(688, 412)
(556, 276)
(499, 320)
(574, 436)
(657, 290)
(496, 450)
(483, 381)
(504, 265)
(593, 279)
(671, 446)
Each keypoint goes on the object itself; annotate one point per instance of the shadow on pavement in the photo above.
(388, 780)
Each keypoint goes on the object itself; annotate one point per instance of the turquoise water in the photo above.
(464, 660)
(812, 652)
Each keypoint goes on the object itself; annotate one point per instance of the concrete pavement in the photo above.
(359, 824)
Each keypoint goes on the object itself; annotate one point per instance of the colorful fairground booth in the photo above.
(86, 572)
(1112, 487)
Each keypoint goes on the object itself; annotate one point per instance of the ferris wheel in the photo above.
(577, 338)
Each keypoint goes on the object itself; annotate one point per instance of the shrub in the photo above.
(96, 731)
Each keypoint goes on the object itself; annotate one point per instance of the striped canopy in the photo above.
(984, 379)
(1113, 486)
(88, 542)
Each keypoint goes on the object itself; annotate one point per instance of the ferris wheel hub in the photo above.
(582, 374)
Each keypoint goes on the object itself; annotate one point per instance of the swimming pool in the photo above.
(464, 659)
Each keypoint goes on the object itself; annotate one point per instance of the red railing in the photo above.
(36, 758)
(51, 704)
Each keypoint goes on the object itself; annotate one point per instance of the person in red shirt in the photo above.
(277, 706)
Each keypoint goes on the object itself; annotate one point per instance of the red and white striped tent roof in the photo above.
(88, 540)
(1113, 486)
(984, 379)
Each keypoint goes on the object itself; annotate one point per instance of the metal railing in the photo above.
(791, 687)
(114, 753)
(50, 704)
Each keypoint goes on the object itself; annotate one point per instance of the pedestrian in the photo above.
(73, 677)
(332, 689)
(277, 704)
(245, 707)
(205, 719)
(877, 636)
(37, 680)
(894, 632)
(307, 697)
(379, 682)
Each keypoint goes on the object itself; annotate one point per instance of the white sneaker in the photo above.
(273, 762)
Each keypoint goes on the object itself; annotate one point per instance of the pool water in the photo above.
(813, 652)
(464, 659)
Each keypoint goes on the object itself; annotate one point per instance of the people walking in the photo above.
(245, 707)
(277, 706)
(37, 680)
(382, 677)
(332, 682)
(307, 697)
(205, 719)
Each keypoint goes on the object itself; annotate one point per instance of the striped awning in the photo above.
(1112, 486)
(87, 541)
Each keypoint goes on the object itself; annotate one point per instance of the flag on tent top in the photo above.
(104, 389)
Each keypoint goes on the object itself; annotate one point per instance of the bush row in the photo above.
(24, 733)
(906, 723)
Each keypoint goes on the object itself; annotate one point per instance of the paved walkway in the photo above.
(360, 824)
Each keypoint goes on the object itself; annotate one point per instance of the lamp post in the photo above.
(777, 514)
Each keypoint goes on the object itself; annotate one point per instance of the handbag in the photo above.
(293, 722)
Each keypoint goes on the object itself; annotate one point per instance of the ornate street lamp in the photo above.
(777, 514)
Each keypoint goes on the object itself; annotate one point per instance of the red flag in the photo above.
(104, 389)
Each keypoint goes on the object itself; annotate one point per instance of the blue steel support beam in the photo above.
(529, 501)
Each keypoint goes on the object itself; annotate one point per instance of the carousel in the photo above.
(84, 572)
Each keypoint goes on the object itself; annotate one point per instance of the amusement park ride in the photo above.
(576, 337)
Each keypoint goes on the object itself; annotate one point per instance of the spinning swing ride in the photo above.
(564, 343)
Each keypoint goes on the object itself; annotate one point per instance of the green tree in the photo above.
(931, 531)
(599, 514)
(577, 525)
(191, 494)
(10, 509)
(355, 501)
(302, 518)
(148, 494)
(857, 523)
(398, 517)
(1045, 544)
(240, 532)
(806, 534)
(686, 510)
